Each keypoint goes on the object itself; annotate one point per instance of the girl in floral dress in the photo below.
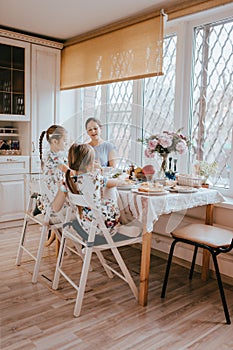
(53, 164)
(86, 180)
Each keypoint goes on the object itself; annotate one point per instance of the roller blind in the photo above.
(131, 52)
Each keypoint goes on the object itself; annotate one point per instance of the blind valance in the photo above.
(194, 6)
(132, 52)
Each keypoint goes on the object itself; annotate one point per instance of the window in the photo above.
(131, 109)
(195, 92)
(212, 98)
(159, 92)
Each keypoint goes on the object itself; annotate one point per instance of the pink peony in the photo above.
(181, 147)
(165, 143)
(149, 154)
(152, 144)
(165, 140)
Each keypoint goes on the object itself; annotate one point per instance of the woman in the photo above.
(105, 152)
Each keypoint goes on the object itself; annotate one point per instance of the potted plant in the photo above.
(206, 169)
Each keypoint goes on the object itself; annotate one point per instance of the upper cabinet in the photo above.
(14, 80)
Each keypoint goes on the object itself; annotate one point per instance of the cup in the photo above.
(106, 171)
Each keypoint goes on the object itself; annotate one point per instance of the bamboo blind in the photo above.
(126, 50)
(128, 53)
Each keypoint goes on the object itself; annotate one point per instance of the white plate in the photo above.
(126, 188)
(183, 189)
(150, 193)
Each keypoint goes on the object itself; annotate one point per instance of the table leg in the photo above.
(206, 253)
(209, 214)
(145, 268)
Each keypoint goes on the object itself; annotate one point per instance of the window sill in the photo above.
(227, 204)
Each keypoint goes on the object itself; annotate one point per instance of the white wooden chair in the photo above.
(94, 242)
(49, 221)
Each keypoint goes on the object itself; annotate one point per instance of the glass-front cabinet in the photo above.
(29, 104)
(14, 80)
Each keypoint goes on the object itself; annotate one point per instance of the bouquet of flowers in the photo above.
(165, 143)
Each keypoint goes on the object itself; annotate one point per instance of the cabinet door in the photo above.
(14, 80)
(12, 203)
(45, 94)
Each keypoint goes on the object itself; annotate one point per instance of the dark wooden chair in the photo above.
(215, 240)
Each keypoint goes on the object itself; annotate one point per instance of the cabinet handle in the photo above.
(9, 160)
(33, 147)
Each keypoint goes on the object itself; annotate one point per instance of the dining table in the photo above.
(148, 207)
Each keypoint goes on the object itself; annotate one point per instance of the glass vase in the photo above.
(163, 167)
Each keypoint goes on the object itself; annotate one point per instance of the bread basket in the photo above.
(189, 180)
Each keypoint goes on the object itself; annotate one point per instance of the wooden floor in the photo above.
(35, 317)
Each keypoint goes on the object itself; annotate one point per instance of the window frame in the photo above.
(185, 38)
(184, 29)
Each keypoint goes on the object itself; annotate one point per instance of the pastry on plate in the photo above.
(150, 187)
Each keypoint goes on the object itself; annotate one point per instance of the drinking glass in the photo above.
(106, 171)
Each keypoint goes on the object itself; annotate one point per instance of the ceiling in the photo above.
(65, 19)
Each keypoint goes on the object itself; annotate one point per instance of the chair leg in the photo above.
(59, 263)
(125, 271)
(168, 268)
(83, 281)
(221, 290)
(57, 247)
(23, 235)
(193, 262)
(21, 243)
(103, 262)
(39, 253)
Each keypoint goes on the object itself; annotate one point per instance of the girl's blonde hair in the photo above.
(53, 132)
(80, 158)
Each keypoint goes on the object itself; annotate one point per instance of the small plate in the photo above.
(126, 188)
(150, 193)
(182, 189)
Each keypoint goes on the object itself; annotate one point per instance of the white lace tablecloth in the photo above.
(148, 209)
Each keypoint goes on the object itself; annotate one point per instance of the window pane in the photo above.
(159, 93)
(212, 118)
(120, 120)
(126, 108)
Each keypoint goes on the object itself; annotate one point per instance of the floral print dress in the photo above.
(93, 184)
(52, 176)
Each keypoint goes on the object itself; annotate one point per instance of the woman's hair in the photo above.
(80, 158)
(92, 119)
(53, 132)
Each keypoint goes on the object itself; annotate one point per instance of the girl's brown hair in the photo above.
(53, 132)
(80, 158)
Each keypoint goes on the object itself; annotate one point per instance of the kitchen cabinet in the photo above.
(45, 95)
(14, 80)
(30, 83)
(13, 176)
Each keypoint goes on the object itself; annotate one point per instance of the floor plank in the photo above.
(36, 317)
